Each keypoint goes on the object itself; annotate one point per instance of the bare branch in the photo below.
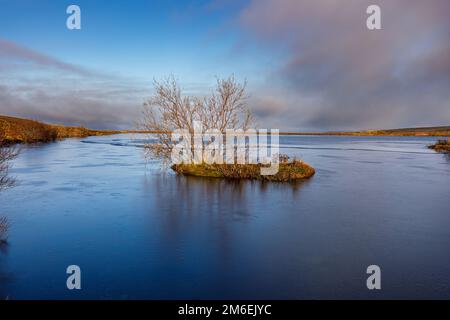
(7, 153)
(168, 110)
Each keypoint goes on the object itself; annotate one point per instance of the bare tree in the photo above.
(225, 108)
(7, 153)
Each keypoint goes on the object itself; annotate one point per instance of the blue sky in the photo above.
(139, 38)
(310, 64)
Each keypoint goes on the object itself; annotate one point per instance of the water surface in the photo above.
(141, 233)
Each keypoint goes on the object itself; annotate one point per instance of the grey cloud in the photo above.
(12, 52)
(59, 92)
(65, 107)
(336, 74)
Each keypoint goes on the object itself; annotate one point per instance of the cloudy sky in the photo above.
(310, 64)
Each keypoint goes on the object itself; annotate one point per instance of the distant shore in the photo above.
(18, 130)
(442, 131)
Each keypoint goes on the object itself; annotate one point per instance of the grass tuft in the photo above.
(441, 146)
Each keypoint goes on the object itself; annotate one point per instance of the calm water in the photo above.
(137, 232)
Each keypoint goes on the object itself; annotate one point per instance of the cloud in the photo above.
(68, 107)
(59, 92)
(12, 52)
(320, 68)
(336, 74)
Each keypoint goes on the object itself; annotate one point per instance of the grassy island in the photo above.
(288, 171)
(441, 146)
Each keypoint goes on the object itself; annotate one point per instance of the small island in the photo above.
(441, 145)
(210, 127)
(288, 171)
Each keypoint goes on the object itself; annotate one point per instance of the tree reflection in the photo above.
(215, 213)
(4, 277)
(3, 232)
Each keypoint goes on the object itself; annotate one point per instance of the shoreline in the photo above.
(16, 130)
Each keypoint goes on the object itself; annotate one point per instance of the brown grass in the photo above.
(17, 130)
(406, 132)
(441, 146)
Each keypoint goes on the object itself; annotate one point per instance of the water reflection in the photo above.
(4, 226)
(183, 196)
(4, 276)
(215, 215)
(142, 234)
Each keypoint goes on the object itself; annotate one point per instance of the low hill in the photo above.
(442, 131)
(18, 130)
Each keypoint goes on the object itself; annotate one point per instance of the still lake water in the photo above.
(141, 233)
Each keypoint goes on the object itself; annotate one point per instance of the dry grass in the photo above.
(17, 130)
(288, 171)
(406, 132)
(441, 146)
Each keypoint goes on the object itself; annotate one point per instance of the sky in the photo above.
(310, 65)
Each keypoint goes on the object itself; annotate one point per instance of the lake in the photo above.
(140, 232)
